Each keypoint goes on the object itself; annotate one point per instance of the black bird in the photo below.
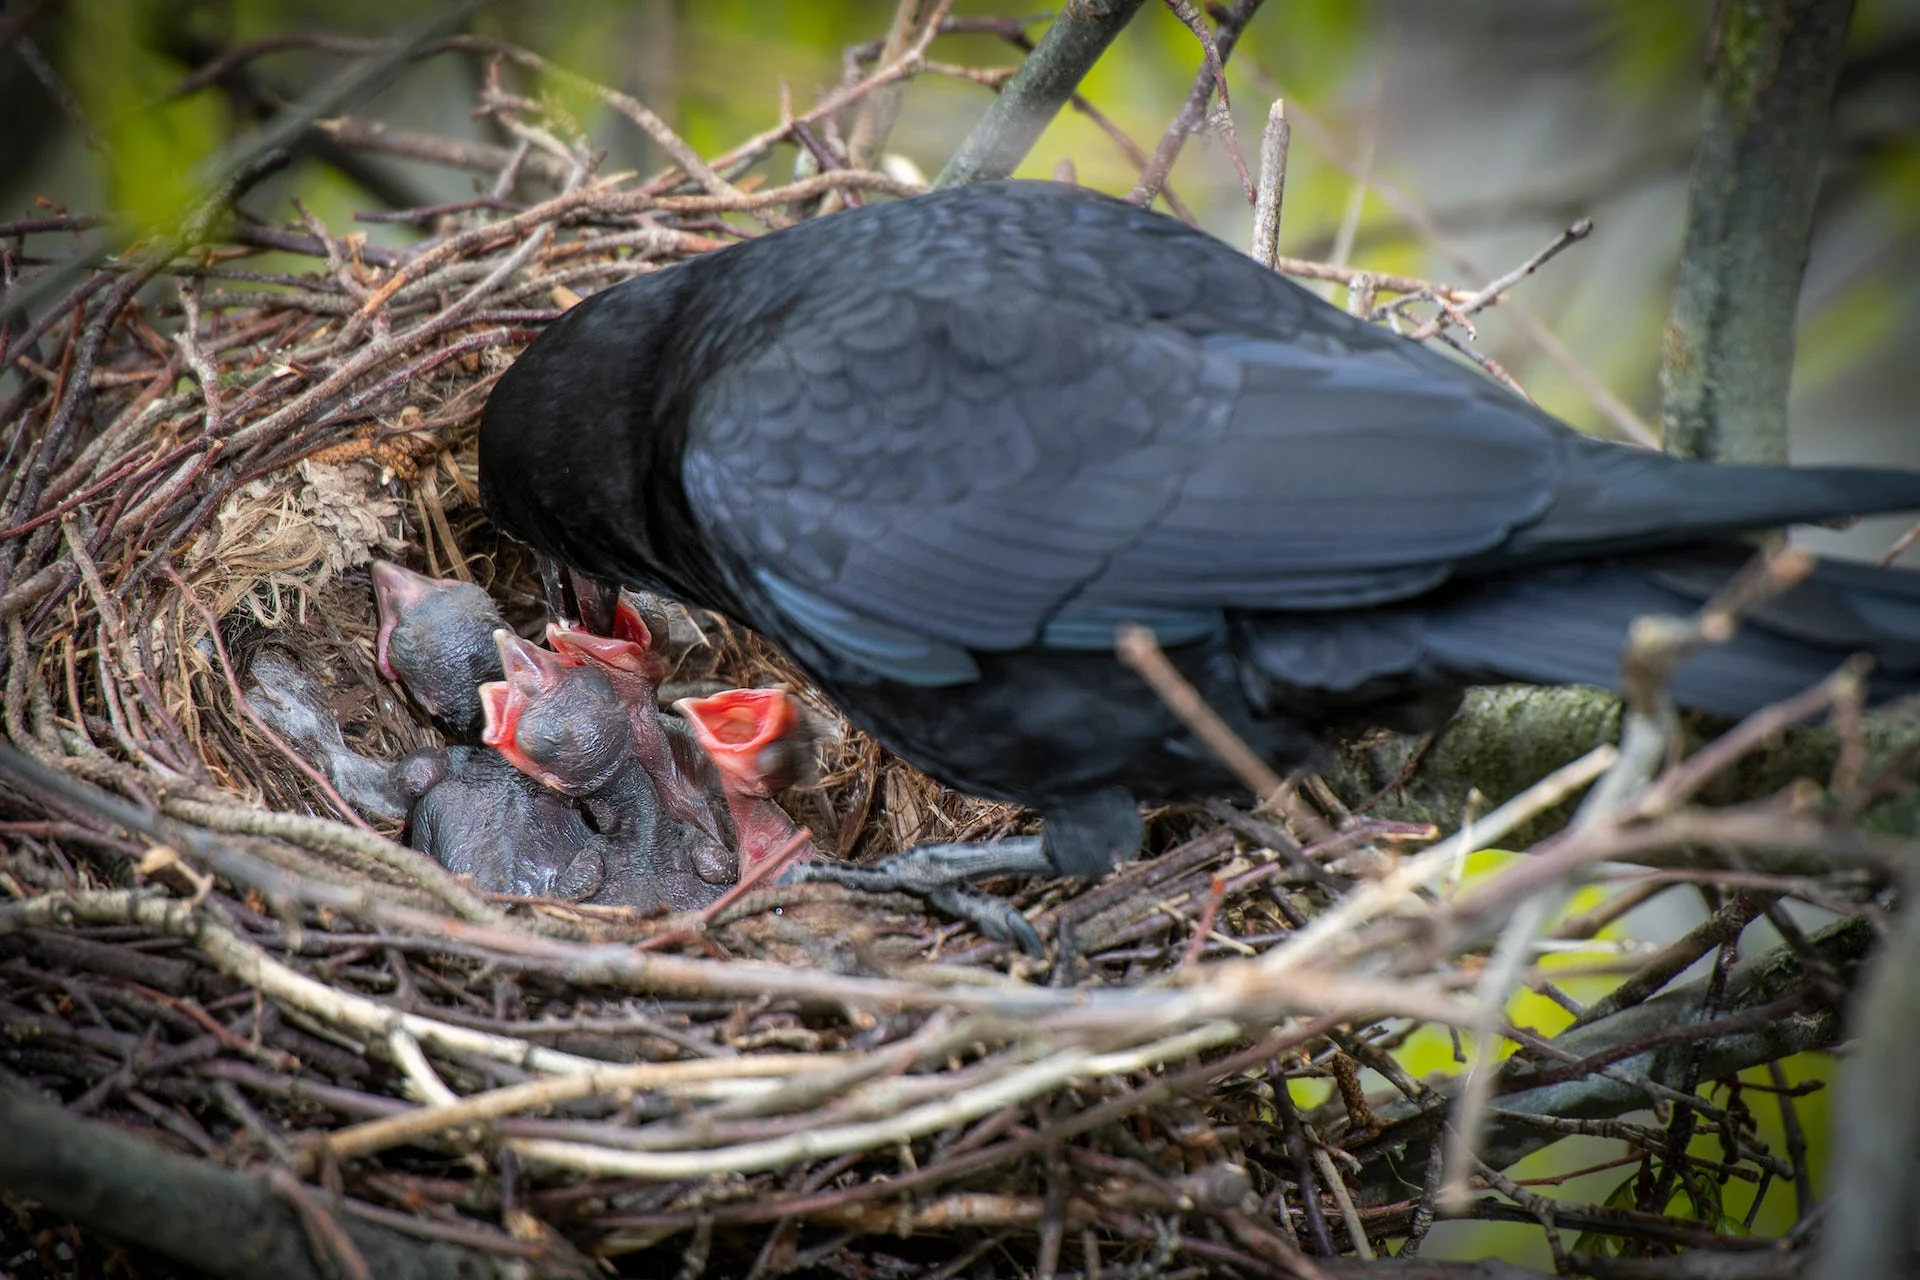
(939, 449)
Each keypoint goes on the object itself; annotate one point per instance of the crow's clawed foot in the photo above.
(994, 917)
(939, 872)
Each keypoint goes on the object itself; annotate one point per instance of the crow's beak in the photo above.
(577, 600)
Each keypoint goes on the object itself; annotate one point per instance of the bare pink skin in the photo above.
(634, 667)
(394, 589)
(753, 737)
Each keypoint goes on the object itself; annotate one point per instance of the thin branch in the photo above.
(1273, 184)
(1500, 284)
(1028, 102)
(1194, 113)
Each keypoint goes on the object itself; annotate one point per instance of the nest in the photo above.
(358, 1060)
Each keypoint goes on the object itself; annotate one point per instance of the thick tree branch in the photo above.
(1771, 70)
(1030, 100)
(218, 1221)
(1873, 1222)
(1507, 737)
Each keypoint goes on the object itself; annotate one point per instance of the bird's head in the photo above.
(581, 450)
(436, 641)
(755, 737)
(557, 722)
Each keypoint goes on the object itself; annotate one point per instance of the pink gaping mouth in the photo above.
(630, 649)
(743, 731)
(532, 673)
(395, 590)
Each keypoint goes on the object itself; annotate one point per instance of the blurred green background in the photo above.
(1502, 120)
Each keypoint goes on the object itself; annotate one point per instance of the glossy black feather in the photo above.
(938, 448)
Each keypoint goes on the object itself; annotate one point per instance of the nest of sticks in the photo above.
(337, 1059)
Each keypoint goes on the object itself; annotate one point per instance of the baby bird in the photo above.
(436, 642)
(563, 725)
(634, 666)
(757, 740)
(469, 809)
(478, 816)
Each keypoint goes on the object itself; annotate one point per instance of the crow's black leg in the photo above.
(927, 867)
(995, 918)
(1086, 835)
(939, 872)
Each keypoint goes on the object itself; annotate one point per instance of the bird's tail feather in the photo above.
(1620, 500)
(1570, 625)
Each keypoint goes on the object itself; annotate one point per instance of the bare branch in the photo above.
(1028, 102)
(1273, 185)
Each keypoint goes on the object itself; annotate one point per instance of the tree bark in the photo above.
(1771, 70)
(1507, 737)
(1033, 97)
(193, 1212)
(1873, 1210)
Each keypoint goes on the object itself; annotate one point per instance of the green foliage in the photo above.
(1314, 47)
(1653, 45)
(1897, 192)
(150, 146)
(1624, 1196)
(1697, 1193)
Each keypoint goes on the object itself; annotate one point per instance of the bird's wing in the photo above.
(910, 476)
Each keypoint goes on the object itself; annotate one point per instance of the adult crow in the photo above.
(939, 449)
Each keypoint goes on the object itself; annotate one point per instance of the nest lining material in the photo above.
(195, 942)
(131, 622)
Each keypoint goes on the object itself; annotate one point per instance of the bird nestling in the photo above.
(757, 739)
(563, 725)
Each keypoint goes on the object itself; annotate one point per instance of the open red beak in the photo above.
(395, 590)
(502, 707)
(629, 649)
(532, 673)
(745, 732)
